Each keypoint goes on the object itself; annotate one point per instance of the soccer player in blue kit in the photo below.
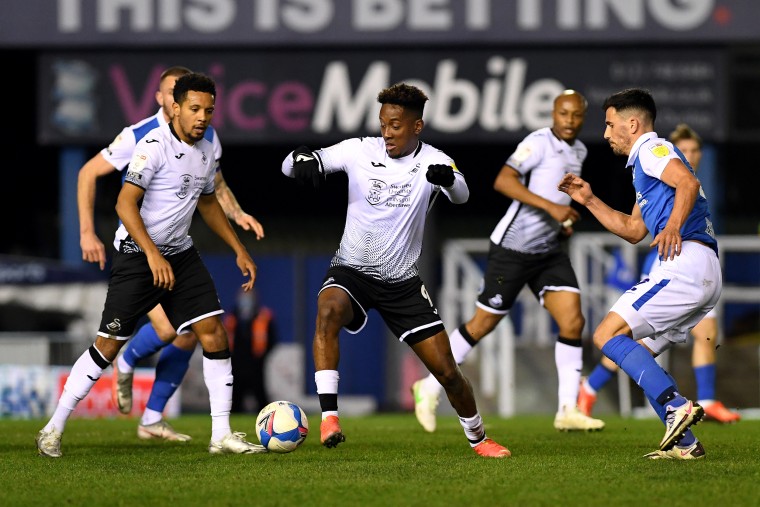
(681, 289)
(391, 181)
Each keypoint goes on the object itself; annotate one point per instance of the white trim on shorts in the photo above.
(182, 329)
(364, 323)
(555, 288)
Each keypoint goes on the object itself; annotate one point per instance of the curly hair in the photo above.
(401, 94)
(193, 82)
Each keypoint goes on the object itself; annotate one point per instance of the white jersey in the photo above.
(541, 159)
(173, 175)
(120, 151)
(387, 204)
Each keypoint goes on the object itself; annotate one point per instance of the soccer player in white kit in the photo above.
(170, 176)
(391, 181)
(157, 334)
(525, 250)
(681, 289)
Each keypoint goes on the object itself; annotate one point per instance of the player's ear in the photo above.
(159, 98)
(419, 124)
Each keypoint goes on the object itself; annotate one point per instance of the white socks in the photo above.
(473, 429)
(217, 373)
(83, 376)
(327, 383)
(569, 362)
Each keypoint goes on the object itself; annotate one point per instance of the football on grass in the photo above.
(282, 426)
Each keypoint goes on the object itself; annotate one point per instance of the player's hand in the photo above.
(93, 249)
(576, 188)
(668, 243)
(440, 174)
(163, 274)
(248, 223)
(565, 215)
(306, 167)
(248, 268)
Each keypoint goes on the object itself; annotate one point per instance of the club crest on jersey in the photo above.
(496, 301)
(416, 168)
(376, 188)
(659, 150)
(204, 158)
(184, 185)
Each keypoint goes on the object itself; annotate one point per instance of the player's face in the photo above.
(165, 96)
(192, 117)
(617, 133)
(691, 150)
(400, 130)
(568, 115)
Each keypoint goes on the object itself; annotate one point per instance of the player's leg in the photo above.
(171, 368)
(689, 447)
(334, 310)
(122, 308)
(427, 390)
(565, 308)
(599, 377)
(703, 361)
(506, 274)
(613, 337)
(435, 354)
(217, 374)
(148, 340)
(84, 373)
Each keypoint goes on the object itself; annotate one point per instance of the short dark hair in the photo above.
(682, 132)
(401, 94)
(175, 71)
(632, 98)
(193, 82)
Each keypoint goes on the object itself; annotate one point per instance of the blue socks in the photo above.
(599, 377)
(143, 344)
(170, 370)
(705, 377)
(639, 364)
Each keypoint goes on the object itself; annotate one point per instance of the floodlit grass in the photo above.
(387, 460)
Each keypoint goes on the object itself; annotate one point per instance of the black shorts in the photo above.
(508, 271)
(131, 293)
(406, 307)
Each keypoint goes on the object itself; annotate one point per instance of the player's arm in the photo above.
(212, 213)
(129, 213)
(92, 248)
(676, 175)
(629, 227)
(232, 208)
(508, 183)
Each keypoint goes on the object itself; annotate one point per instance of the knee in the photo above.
(572, 325)
(451, 378)
(164, 330)
(600, 339)
(185, 341)
(332, 313)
